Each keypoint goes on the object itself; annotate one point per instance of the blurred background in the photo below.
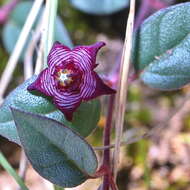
(161, 162)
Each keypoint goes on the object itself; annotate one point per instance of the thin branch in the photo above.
(23, 166)
(28, 59)
(40, 56)
(122, 87)
(107, 132)
(7, 74)
(51, 13)
(123, 143)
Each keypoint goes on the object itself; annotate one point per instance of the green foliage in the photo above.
(98, 7)
(163, 48)
(13, 27)
(84, 121)
(55, 151)
(86, 117)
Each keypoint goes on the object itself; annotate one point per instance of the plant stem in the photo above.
(28, 58)
(5, 164)
(51, 13)
(146, 8)
(142, 13)
(40, 53)
(23, 165)
(7, 74)
(122, 86)
(107, 132)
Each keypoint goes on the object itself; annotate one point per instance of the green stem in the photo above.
(5, 164)
(51, 8)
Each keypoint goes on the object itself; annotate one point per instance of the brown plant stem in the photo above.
(106, 138)
(122, 87)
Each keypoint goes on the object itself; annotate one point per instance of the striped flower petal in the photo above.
(44, 83)
(70, 77)
(68, 103)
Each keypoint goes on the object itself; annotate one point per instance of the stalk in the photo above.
(51, 13)
(107, 133)
(121, 95)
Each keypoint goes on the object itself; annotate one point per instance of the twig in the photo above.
(7, 74)
(23, 165)
(123, 85)
(28, 59)
(107, 131)
(40, 53)
(123, 143)
(51, 13)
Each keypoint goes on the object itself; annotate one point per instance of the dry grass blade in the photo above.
(40, 56)
(122, 86)
(28, 59)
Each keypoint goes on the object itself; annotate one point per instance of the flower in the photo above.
(70, 77)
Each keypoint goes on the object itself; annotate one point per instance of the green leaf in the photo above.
(98, 7)
(162, 48)
(86, 117)
(34, 102)
(55, 151)
(13, 27)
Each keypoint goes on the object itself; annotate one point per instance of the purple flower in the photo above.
(70, 77)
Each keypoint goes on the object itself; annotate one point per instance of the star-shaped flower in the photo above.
(70, 77)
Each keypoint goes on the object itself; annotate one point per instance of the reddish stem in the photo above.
(146, 8)
(157, 4)
(107, 132)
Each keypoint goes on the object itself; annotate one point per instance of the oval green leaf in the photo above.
(21, 98)
(98, 7)
(162, 48)
(86, 117)
(55, 151)
(13, 27)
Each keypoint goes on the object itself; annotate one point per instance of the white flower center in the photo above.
(63, 77)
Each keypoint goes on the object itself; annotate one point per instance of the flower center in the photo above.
(64, 76)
